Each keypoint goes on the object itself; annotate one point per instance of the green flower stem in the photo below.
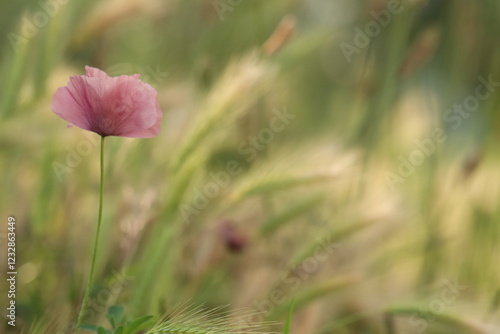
(96, 243)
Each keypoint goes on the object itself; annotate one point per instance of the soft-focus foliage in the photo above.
(296, 161)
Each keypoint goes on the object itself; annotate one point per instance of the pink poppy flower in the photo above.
(121, 106)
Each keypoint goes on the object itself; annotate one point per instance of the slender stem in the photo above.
(96, 243)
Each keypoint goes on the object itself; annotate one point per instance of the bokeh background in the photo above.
(373, 204)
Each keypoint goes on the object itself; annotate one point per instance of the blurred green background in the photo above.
(373, 205)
